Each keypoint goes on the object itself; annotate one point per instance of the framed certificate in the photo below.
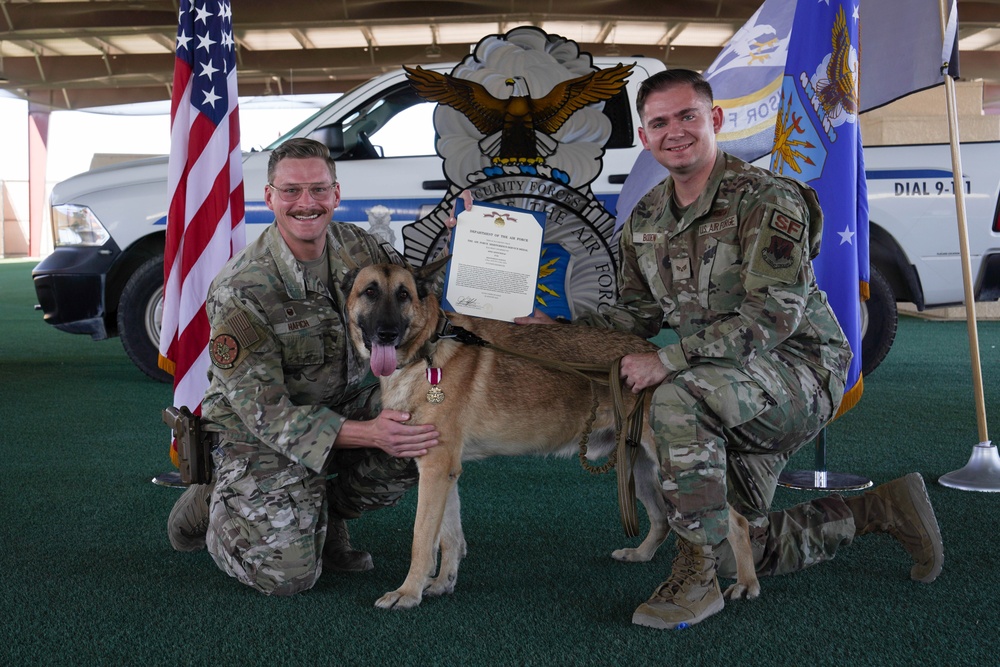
(493, 271)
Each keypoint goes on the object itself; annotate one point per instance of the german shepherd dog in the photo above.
(495, 403)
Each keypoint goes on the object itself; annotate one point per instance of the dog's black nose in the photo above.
(386, 335)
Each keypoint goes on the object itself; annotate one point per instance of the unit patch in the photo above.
(234, 342)
(778, 254)
(775, 256)
(224, 351)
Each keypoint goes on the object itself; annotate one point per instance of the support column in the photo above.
(38, 153)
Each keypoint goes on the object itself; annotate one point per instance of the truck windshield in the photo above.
(295, 131)
(398, 123)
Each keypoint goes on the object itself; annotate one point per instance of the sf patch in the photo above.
(786, 225)
(777, 253)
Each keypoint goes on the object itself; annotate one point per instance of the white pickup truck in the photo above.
(915, 255)
(105, 276)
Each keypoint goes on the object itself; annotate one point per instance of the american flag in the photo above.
(205, 221)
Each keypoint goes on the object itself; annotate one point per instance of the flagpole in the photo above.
(820, 479)
(982, 472)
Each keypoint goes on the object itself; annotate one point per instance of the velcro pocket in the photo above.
(269, 479)
(734, 396)
(302, 349)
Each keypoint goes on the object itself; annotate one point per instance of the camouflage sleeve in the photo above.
(777, 279)
(636, 311)
(247, 362)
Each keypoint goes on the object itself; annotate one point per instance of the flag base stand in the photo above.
(820, 479)
(823, 480)
(171, 478)
(981, 473)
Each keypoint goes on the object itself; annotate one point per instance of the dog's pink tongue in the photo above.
(383, 360)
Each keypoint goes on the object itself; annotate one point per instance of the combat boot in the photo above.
(188, 520)
(689, 596)
(902, 509)
(338, 554)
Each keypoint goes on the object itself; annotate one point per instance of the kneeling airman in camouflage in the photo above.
(302, 444)
(722, 252)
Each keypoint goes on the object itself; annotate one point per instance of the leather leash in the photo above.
(627, 448)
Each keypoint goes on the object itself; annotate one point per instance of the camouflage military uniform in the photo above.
(761, 362)
(284, 378)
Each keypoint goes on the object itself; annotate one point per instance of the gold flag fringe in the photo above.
(851, 397)
(166, 364)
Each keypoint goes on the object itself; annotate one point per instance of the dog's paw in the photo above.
(631, 555)
(745, 591)
(440, 586)
(397, 599)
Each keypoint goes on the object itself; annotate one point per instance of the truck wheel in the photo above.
(140, 312)
(878, 322)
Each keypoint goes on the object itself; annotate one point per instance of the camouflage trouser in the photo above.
(724, 435)
(268, 515)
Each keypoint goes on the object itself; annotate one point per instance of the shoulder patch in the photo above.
(233, 342)
(777, 253)
(224, 350)
(240, 324)
(787, 225)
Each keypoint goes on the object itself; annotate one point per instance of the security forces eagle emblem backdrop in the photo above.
(520, 123)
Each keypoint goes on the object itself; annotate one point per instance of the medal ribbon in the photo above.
(434, 376)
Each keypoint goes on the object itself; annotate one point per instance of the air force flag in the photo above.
(817, 140)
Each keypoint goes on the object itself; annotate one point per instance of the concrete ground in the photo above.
(985, 311)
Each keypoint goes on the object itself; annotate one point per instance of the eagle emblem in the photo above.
(513, 127)
(524, 121)
(838, 91)
(778, 253)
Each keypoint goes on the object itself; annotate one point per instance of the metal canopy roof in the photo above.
(73, 54)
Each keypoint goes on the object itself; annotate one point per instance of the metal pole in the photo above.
(982, 472)
(820, 478)
(821, 451)
(3, 219)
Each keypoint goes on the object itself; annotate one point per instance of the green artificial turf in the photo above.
(88, 577)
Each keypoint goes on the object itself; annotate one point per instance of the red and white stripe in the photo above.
(205, 220)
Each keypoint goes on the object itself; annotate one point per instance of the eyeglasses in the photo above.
(290, 193)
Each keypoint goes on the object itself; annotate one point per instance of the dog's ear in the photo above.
(424, 277)
(423, 285)
(348, 281)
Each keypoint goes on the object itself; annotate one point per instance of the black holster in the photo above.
(194, 446)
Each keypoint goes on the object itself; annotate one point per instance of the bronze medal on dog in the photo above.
(435, 395)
